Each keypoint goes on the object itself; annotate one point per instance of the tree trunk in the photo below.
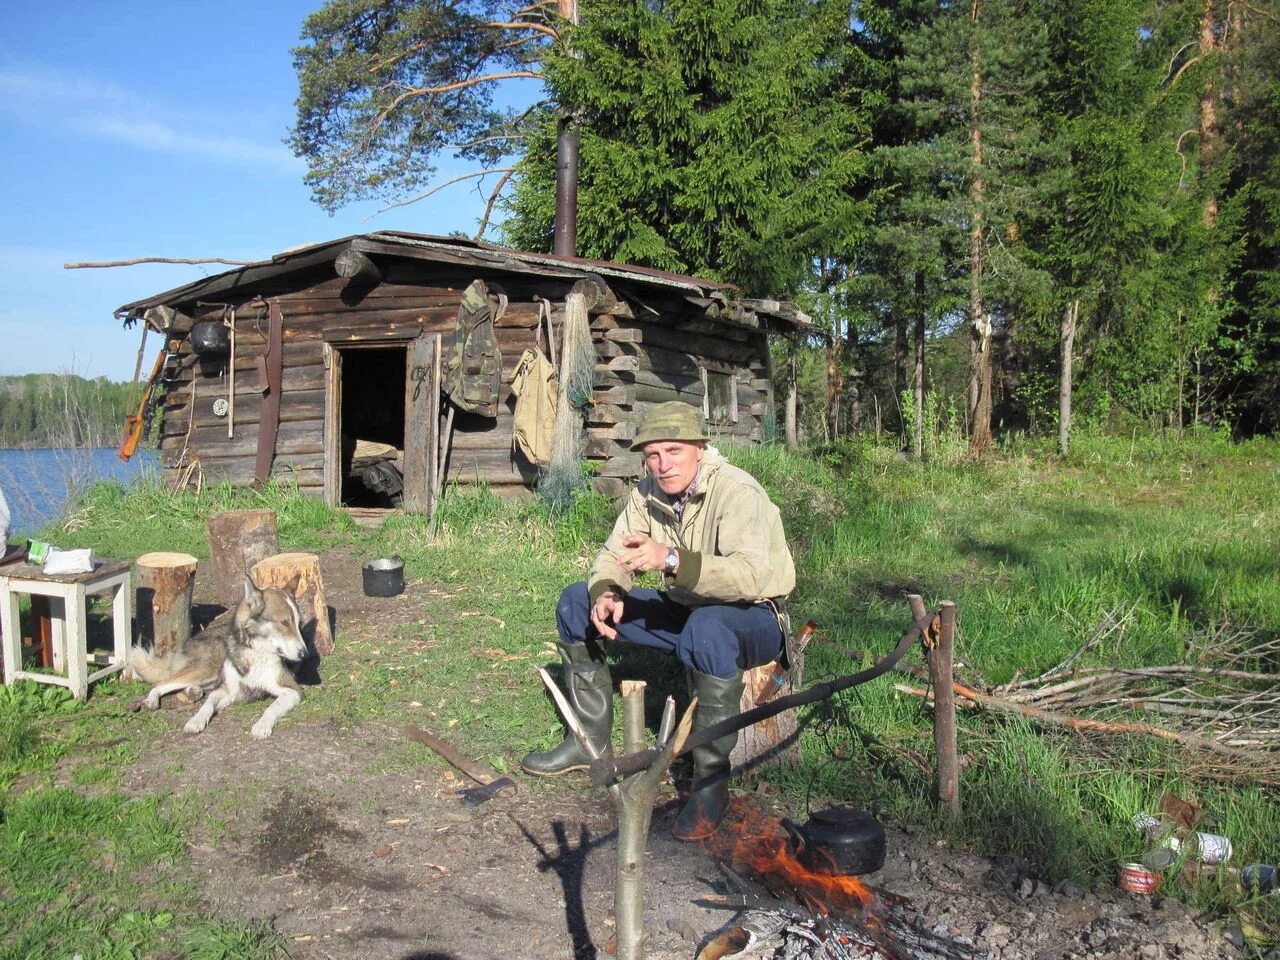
(900, 348)
(299, 574)
(918, 377)
(237, 540)
(980, 323)
(163, 608)
(1067, 341)
(792, 406)
(835, 388)
(1208, 112)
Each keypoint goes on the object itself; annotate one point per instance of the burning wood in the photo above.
(835, 916)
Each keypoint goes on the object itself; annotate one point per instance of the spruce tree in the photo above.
(715, 139)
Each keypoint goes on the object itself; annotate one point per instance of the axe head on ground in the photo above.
(501, 786)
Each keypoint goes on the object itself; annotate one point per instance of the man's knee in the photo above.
(707, 644)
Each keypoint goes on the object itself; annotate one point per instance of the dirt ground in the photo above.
(351, 864)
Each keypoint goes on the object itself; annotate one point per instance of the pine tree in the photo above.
(959, 150)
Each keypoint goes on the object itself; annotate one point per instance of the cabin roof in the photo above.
(466, 252)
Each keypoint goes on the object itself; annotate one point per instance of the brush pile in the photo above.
(1221, 703)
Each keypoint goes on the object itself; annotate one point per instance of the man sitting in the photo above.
(717, 539)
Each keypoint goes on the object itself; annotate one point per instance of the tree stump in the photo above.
(163, 607)
(237, 540)
(300, 574)
(773, 740)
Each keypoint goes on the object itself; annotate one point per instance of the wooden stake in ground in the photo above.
(237, 540)
(632, 800)
(299, 573)
(165, 582)
(939, 650)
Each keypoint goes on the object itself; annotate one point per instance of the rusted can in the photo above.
(1135, 878)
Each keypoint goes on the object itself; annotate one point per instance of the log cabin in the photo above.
(300, 365)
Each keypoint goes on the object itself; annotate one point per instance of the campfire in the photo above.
(790, 910)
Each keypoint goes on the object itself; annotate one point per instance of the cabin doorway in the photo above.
(375, 396)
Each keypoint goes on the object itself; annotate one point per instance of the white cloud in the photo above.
(106, 111)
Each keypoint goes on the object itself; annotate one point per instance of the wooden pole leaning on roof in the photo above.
(939, 649)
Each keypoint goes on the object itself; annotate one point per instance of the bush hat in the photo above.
(670, 421)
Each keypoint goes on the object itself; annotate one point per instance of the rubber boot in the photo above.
(718, 699)
(590, 689)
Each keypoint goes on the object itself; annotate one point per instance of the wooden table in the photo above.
(69, 621)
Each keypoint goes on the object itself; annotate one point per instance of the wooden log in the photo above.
(163, 608)
(773, 741)
(237, 540)
(238, 472)
(299, 573)
(357, 268)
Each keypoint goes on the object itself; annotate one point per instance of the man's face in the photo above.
(673, 463)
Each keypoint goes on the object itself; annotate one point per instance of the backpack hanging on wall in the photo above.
(473, 364)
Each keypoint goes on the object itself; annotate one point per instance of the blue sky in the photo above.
(134, 129)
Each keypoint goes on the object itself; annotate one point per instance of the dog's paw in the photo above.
(195, 725)
(137, 705)
(260, 730)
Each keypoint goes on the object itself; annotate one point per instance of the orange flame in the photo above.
(760, 842)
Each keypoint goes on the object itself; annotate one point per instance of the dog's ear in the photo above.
(253, 596)
(291, 587)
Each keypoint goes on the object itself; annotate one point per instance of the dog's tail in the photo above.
(144, 665)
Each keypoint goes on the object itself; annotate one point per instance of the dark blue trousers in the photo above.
(719, 640)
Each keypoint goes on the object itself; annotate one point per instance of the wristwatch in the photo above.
(673, 560)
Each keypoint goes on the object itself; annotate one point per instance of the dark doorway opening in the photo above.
(373, 391)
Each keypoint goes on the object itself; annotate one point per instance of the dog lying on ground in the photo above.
(246, 664)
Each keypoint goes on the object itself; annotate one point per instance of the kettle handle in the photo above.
(796, 831)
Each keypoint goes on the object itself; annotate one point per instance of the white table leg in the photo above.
(77, 643)
(58, 632)
(121, 618)
(12, 633)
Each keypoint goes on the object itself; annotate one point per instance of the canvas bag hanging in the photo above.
(536, 388)
(473, 365)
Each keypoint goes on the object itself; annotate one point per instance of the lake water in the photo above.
(38, 483)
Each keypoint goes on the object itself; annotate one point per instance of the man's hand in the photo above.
(643, 553)
(605, 612)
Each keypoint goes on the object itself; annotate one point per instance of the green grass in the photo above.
(1037, 553)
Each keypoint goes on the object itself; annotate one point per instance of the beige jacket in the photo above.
(731, 544)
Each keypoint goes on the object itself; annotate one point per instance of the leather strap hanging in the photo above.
(270, 377)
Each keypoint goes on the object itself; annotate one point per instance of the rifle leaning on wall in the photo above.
(138, 423)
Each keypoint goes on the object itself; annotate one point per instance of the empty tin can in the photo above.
(1135, 878)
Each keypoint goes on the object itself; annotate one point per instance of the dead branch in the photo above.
(1098, 726)
(488, 207)
(606, 770)
(137, 260)
(1176, 54)
(440, 186)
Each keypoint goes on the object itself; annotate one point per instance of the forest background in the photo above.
(1006, 213)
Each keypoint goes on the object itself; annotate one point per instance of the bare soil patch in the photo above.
(347, 861)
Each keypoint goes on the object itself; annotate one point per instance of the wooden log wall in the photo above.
(648, 353)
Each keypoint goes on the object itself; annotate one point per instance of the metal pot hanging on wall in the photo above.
(210, 338)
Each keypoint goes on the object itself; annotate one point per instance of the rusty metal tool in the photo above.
(489, 783)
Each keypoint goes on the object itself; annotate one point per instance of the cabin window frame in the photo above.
(710, 371)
